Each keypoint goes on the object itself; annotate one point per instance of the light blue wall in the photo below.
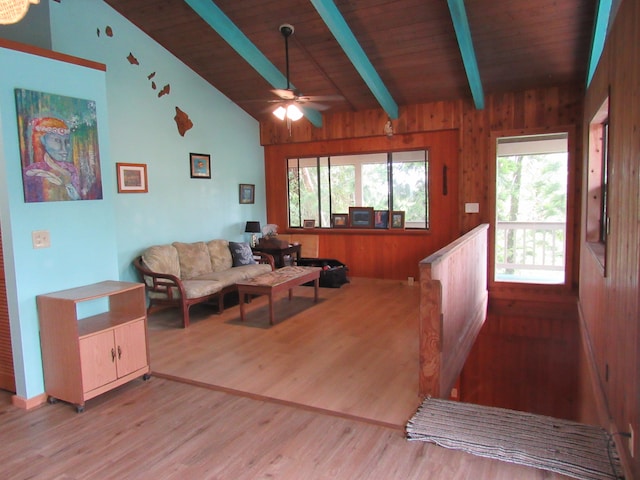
(143, 130)
(83, 238)
(97, 240)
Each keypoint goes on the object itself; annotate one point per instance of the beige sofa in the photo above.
(183, 274)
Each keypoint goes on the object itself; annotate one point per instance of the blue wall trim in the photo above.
(217, 20)
(599, 36)
(343, 34)
(463, 33)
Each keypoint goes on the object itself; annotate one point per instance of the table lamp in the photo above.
(253, 228)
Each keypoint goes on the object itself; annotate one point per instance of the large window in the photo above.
(390, 181)
(531, 208)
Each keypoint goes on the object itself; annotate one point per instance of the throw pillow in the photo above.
(241, 253)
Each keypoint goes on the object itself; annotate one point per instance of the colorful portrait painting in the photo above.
(58, 147)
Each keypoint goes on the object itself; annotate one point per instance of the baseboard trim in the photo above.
(28, 403)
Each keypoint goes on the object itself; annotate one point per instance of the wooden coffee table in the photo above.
(276, 281)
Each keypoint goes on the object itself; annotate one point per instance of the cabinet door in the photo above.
(131, 347)
(98, 360)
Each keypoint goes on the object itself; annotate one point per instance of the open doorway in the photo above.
(531, 208)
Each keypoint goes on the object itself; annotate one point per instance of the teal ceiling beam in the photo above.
(463, 33)
(343, 34)
(603, 11)
(217, 20)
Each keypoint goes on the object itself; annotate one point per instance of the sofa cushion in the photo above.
(162, 259)
(220, 255)
(241, 253)
(234, 275)
(194, 259)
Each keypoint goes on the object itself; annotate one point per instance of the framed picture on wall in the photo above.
(200, 165)
(247, 193)
(132, 177)
(361, 217)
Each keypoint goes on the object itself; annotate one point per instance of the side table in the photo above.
(280, 253)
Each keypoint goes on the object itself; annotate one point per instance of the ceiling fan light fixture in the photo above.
(280, 112)
(293, 112)
(12, 11)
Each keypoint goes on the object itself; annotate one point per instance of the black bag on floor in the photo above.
(333, 274)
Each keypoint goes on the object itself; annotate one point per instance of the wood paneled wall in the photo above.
(390, 254)
(609, 304)
(458, 136)
(453, 307)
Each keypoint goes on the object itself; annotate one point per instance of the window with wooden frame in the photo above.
(597, 225)
(321, 187)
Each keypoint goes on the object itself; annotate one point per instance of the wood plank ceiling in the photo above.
(411, 44)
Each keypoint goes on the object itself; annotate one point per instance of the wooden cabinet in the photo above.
(84, 357)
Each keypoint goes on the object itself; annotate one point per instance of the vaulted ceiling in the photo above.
(414, 49)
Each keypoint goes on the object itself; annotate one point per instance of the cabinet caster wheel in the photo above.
(79, 408)
(146, 376)
(52, 400)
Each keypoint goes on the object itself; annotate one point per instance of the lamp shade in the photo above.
(12, 11)
(252, 227)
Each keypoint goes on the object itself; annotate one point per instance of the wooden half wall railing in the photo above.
(453, 308)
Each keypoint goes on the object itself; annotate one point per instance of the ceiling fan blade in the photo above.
(285, 94)
(321, 98)
(315, 106)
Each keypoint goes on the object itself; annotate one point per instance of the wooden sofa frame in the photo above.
(165, 283)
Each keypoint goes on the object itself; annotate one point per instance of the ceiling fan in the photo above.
(290, 98)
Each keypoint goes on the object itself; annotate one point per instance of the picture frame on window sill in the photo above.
(339, 220)
(311, 223)
(200, 165)
(397, 220)
(361, 217)
(132, 177)
(381, 219)
(247, 193)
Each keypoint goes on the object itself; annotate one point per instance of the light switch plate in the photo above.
(471, 208)
(41, 239)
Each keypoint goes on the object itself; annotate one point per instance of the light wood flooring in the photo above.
(354, 353)
(323, 394)
(165, 430)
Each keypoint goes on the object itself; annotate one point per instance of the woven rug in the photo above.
(569, 448)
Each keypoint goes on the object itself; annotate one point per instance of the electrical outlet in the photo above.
(631, 440)
(41, 239)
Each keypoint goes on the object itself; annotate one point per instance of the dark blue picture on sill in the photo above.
(361, 217)
(381, 219)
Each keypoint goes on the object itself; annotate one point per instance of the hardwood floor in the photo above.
(323, 394)
(354, 353)
(163, 429)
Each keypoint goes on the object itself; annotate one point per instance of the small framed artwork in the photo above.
(361, 217)
(247, 193)
(132, 177)
(309, 223)
(397, 219)
(339, 220)
(200, 165)
(381, 219)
